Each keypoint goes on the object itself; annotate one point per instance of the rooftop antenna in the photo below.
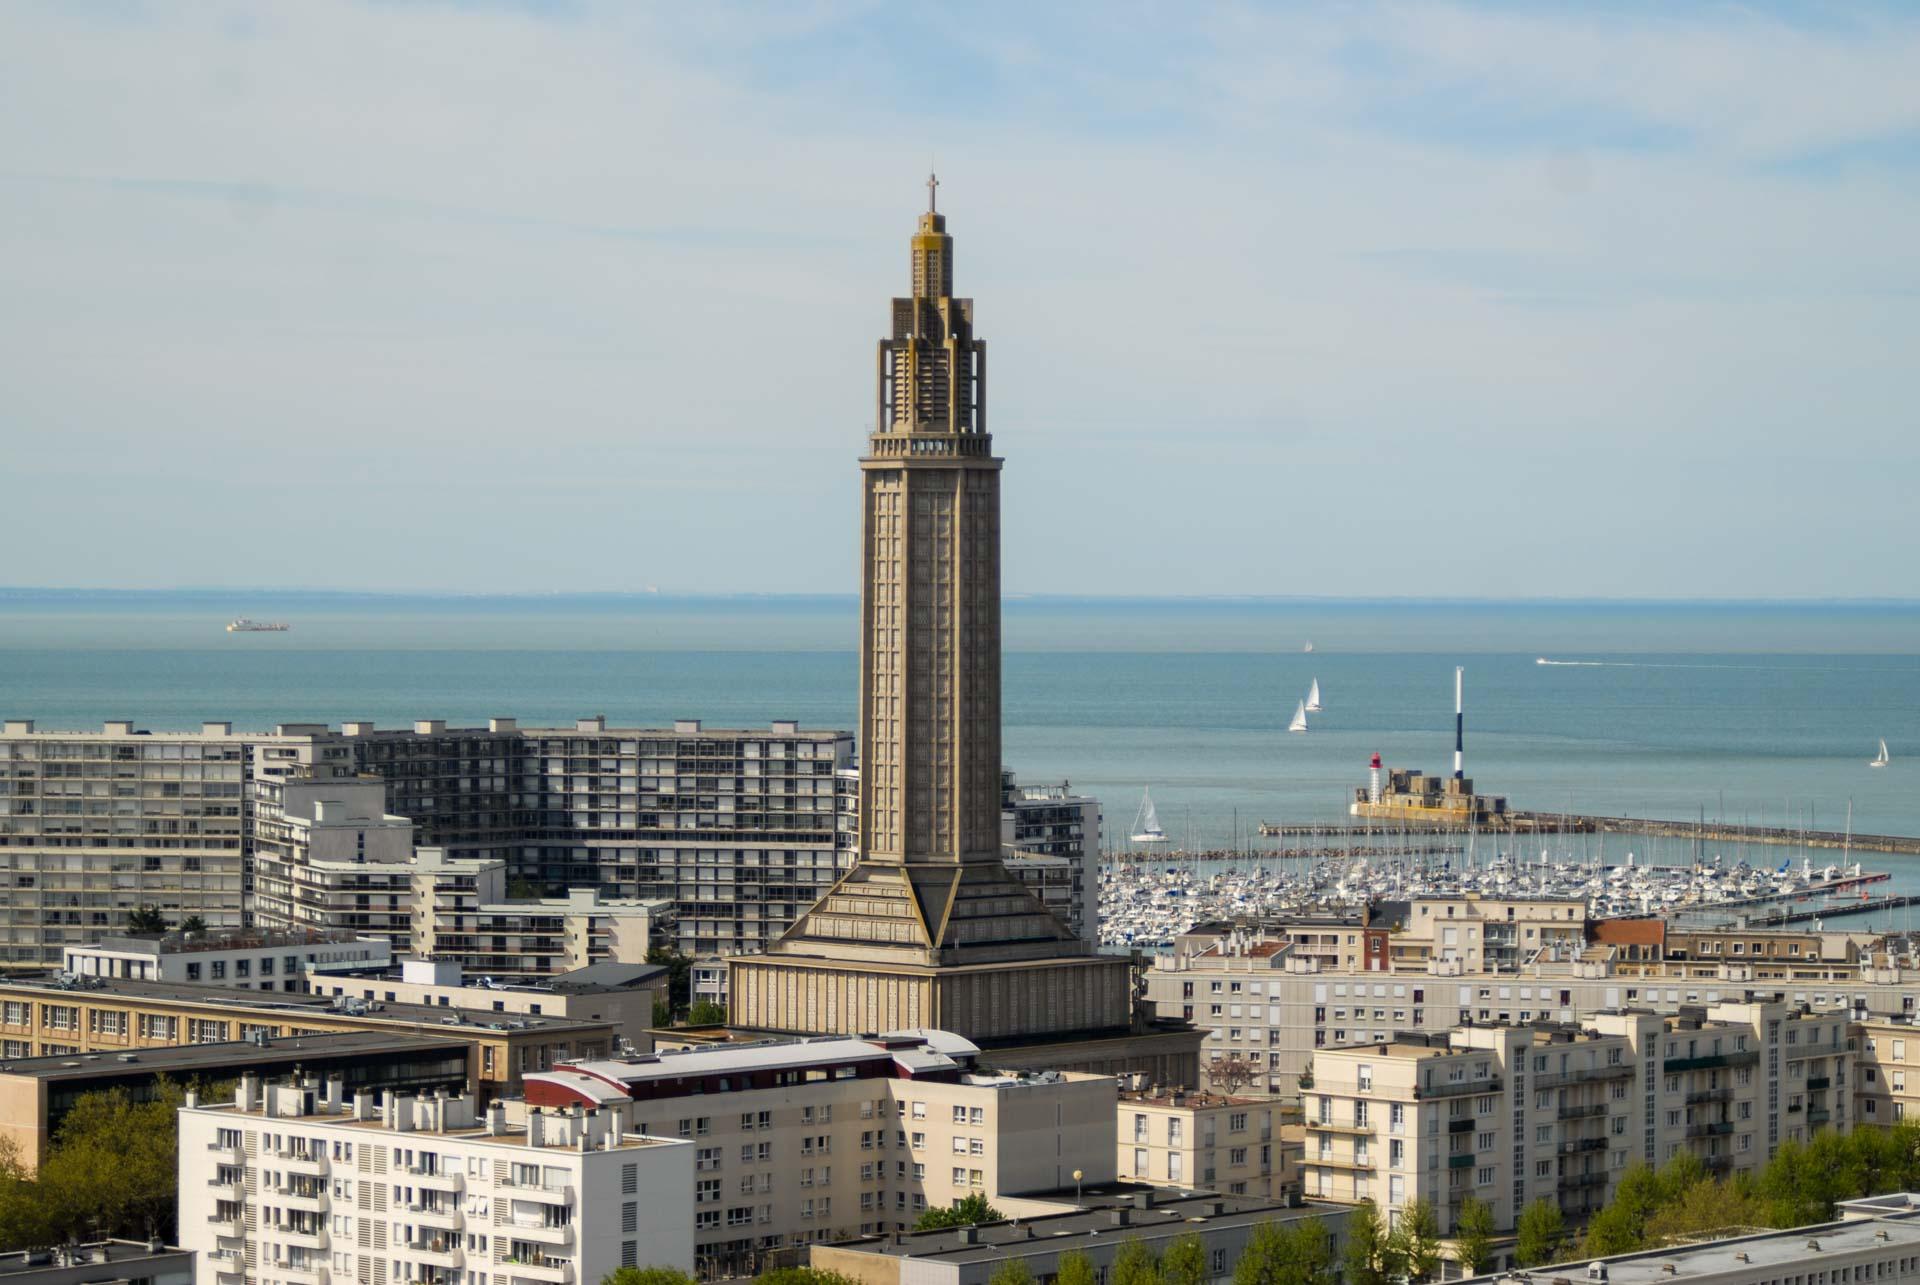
(933, 183)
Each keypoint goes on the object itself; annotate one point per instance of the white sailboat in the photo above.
(1883, 760)
(1299, 723)
(1313, 698)
(1146, 824)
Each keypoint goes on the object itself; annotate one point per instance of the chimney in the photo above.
(192, 1098)
(496, 1118)
(335, 1096)
(243, 1096)
(363, 1105)
(536, 1128)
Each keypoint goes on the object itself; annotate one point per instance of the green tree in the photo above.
(193, 925)
(963, 1213)
(1415, 1242)
(1075, 1269)
(1012, 1272)
(646, 1276)
(527, 890)
(707, 1013)
(1135, 1264)
(1366, 1253)
(146, 919)
(1705, 1206)
(1473, 1236)
(803, 1276)
(1538, 1234)
(1297, 1253)
(679, 975)
(1185, 1262)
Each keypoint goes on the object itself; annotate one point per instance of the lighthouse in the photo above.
(1373, 780)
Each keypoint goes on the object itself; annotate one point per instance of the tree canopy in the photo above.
(1291, 1253)
(1473, 1236)
(646, 1276)
(965, 1213)
(1539, 1233)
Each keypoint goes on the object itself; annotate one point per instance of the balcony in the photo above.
(228, 1189)
(1817, 1116)
(234, 1226)
(562, 1195)
(1711, 1061)
(1583, 1112)
(227, 1151)
(443, 1217)
(1340, 1162)
(314, 1202)
(559, 1271)
(1462, 1161)
(1698, 1096)
(1819, 1082)
(312, 1274)
(1711, 1129)
(287, 1235)
(453, 1182)
(1586, 1075)
(229, 1267)
(1351, 1130)
(444, 1252)
(541, 1233)
(298, 1162)
(1718, 1164)
(1461, 1126)
(1575, 1181)
(1575, 1146)
(1456, 1088)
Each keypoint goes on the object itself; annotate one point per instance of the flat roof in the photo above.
(189, 1057)
(289, 1004)
(1080, 1228)
(91, 1252)
(513, 1136)
(934, 1050)
(1749, 1256)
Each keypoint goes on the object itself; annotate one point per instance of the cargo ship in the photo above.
(245, 626)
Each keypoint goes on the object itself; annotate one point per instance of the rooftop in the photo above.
(284, 1004)
(1183, 1098)
(1748, 1257)
(92, 1252)
(917, 1051)
(1116, 1215)
(182, 1059)
(441, 1116)
(177, 943)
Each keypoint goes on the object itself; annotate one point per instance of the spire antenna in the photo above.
(933, 182)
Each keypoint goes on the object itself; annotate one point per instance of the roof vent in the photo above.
(1814, 1245)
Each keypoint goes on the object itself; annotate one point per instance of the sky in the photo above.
(1502, 300)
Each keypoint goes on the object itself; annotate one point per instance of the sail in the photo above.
(1146, 826)
(1299, 723)
(1883, 760)
(1313, 697)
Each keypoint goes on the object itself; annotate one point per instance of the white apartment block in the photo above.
(94, 825)
(798, 1143)
(292, 1185)
(248, 959)
(1212, 1141)
(1267, 1010)
(1514, 1114)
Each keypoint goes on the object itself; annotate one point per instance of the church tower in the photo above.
(928, 929)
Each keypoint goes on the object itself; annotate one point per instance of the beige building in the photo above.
(44, 1017)
(1210, 1141)
(1510, 1115)
(245, 959)
(821, 1140)
(928, 929)
(1266, 1010)
(1886, 1088)
(95, 825)
(299, 1184)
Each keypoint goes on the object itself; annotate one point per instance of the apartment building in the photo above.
(1267, 1010)
(36, 1094)
(99, 1262)
(819, 1140)
(1554, 1111)
(975, 1255)
(293, 1184)
(1050, 841)
(621, 995)
(1215, 1141)
(95, 825)
(52, 1016)
(1886, 1088)
(735, 827)
(247, 959)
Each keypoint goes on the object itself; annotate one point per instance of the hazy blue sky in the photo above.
(1368, 299)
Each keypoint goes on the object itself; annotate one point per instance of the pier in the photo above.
(1578, 823)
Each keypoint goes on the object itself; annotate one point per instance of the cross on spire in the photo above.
(933, 182)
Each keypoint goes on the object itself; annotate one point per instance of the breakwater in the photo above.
(1579, 823)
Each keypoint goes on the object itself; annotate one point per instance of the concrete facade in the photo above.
(821, 1140)
(99, 1262)
(245, 960)
(293, 1184)
(1204, 1140)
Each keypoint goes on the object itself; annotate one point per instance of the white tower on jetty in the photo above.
(1373, 780)
(1459, 722)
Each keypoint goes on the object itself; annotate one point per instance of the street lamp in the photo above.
(1077, 1176)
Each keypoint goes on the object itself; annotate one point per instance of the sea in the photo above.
(1764, 713)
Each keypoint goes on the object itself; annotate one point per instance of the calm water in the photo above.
(1760, 713)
